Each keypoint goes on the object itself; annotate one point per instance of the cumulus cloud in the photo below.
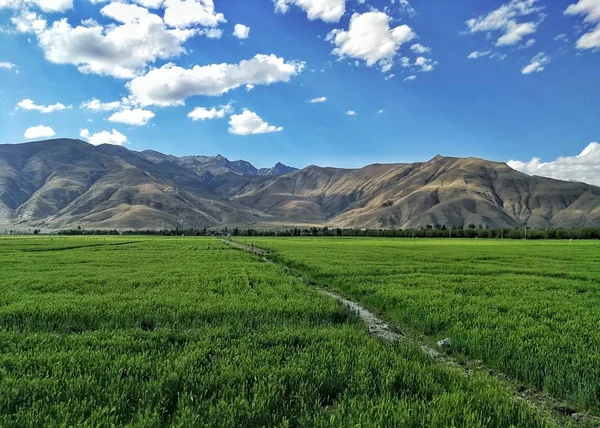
(370, 38)
(212, 33)
(410, 78)
(584, 167)
(150, 4)
(507, 20)
(124, 12)
(44, 5)
(7, 66)
(325, 10)
(425, 64)
(115, 50)
(28, 22)
(318, 100)
(591, 10)
(248, 123)
(187, 13)
(134, 117)
(201, 113)
(351, 113)
(537, 63)
(40, 131)
(241, 31)
(420, 49)
(28, 104)
(115, 137)
(171, 84)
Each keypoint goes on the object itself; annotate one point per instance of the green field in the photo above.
(530, 310)
(190, 332)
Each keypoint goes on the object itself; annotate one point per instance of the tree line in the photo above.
(433, 231)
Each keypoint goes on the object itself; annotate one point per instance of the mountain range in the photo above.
(66, 183)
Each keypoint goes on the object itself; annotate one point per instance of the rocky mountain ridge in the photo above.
(67, 183)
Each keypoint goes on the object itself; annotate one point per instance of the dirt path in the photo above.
(560, 413)
(377, 326)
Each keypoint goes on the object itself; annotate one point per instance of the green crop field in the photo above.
(190, 332)
(530, 310)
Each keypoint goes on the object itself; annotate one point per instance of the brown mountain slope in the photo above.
(447, 191)
(69, 183)
(63, 183)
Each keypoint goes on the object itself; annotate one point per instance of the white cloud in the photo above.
(591, 10)
(201, 113)
(318, 100)
(171, 84)
(477, 54)
(116, 50)
(536, 64)
(134, 117)
(425, 64)
(351, 113)
(325, 10)
(590, 40)
(115, 137)
(506, 20)
(584, 167)
(40, 131)
(124, 13)
(561, 38)
(515, 33)
(380, 111)
(150, 4)
(212, 33)
(187, 13)
(528, 44)
(44, 5)
(420, 49)
(28, 22)
(248, 123)
(410, 78)
(96, 105)
(7, 66)
(241, 31)
(28, 104)
(249, 87)
(370, 38)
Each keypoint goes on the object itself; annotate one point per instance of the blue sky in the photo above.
(403, 67)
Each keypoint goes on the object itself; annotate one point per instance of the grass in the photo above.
(528, 309)
(189, 332)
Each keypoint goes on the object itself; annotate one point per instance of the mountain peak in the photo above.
(278, 169)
